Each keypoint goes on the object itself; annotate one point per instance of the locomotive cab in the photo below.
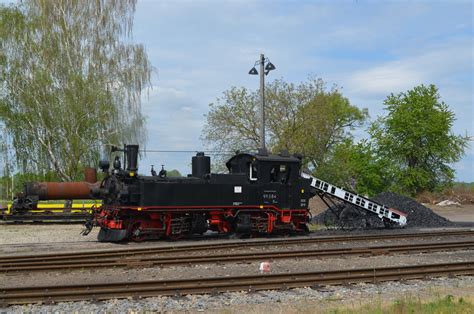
(266, 168)
(272, 179)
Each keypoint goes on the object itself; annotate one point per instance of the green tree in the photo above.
(72, 82)
(19, 179)
(416, 141)
(174, 173)
(356, 166)
(307, 118)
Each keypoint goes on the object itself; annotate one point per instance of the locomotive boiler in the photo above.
(261, 194)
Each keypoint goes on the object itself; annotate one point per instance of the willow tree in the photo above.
(72, 81)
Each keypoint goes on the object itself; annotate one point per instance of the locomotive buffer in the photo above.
(323, 188)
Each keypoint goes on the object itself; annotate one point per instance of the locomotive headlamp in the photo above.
(117, 163)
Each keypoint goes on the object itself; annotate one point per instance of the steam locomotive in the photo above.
(262, 193)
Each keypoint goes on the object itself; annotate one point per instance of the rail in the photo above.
(173, 260)
(189, 248)
(141, 289)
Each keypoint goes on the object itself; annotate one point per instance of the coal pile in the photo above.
(350, 217)
(418, 215)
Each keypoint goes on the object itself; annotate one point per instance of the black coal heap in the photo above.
(347, 216)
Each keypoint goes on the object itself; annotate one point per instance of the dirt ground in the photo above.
(465, 213)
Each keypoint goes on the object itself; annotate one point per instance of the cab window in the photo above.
(279, 173)
(252, 172)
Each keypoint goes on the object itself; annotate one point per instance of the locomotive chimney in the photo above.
(201, 165)
(132, 157)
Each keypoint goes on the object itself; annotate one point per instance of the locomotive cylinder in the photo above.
(201, 165)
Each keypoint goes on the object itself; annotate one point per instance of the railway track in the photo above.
(52, 294)
(173, 260)
(133, 252)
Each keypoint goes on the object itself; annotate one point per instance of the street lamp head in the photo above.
(253, 71)
(269, 67)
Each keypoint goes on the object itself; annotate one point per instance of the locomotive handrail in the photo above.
(359, 201)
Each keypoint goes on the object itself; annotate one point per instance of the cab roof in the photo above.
(241, 159)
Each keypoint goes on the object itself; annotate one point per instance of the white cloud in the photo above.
(429, 66)
(395, 76)
(371, 49)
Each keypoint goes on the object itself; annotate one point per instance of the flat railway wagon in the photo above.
(53, 201)
(48, 212)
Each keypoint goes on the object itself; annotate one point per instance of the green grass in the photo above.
(315, 227)
(448, 304)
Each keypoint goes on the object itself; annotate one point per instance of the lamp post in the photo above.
(264, 70)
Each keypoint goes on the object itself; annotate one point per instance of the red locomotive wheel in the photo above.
(136, 233)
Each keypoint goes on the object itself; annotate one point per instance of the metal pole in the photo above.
(262, 97)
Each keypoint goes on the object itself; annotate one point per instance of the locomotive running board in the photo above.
(357, 200)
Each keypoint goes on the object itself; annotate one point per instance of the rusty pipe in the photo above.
(65, 190)
(61, 190)
(90, 175)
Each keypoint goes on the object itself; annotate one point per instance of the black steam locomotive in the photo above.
(262, 193)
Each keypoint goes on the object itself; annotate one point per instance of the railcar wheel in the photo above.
(136, 234)
(175, 237)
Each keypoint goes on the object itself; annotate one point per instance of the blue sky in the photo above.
(370, 48)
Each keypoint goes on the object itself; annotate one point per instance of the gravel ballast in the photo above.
(348, 216)
(304, 300)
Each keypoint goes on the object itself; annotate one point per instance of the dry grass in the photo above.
(461, 193)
